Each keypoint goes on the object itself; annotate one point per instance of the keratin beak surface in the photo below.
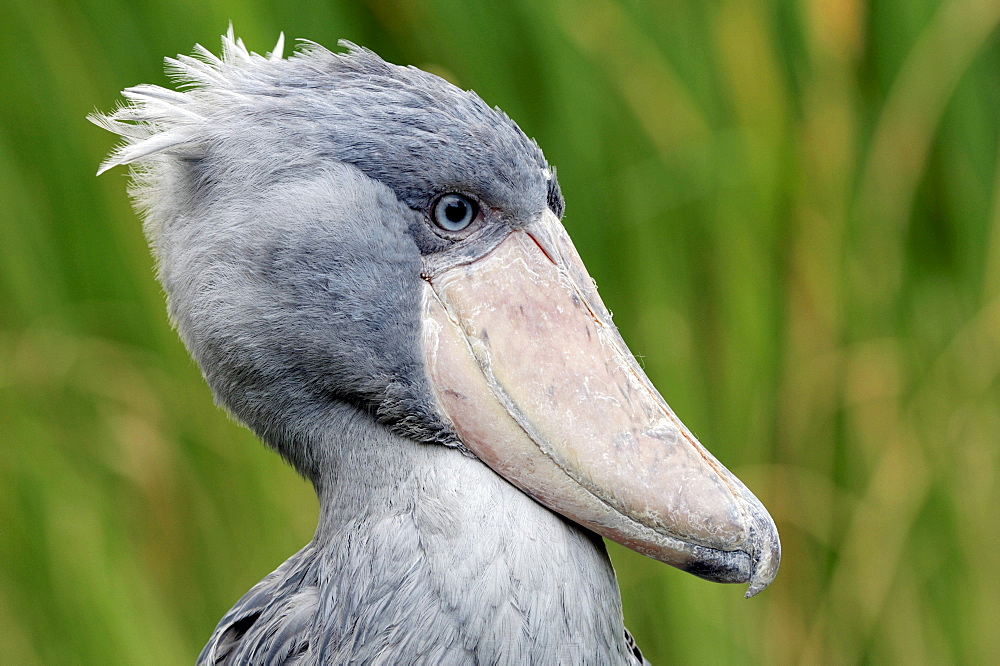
(527, 365)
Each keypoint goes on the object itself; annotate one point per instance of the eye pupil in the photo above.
(454, 212)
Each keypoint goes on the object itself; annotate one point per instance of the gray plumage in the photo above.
(285, 202)
(438, 560)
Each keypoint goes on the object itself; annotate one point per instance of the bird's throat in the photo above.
(419, 534)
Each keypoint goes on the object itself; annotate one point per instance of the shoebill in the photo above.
(369, 266)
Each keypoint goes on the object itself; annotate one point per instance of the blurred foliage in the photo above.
(792, 206)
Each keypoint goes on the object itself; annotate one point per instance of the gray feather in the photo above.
(443, 562)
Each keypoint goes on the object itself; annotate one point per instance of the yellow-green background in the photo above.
(791, 206)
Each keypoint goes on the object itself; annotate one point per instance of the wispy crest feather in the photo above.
(157, 119)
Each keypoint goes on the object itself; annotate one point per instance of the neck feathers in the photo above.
(421, 550)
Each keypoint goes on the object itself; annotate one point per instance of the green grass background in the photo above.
(792, 207)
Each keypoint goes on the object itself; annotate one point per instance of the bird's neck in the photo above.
(423, 550)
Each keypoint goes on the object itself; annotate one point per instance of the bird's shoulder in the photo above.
(634, 649)
(272, 623)
(280, 622)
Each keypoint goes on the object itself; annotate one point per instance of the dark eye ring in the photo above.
(454, 212)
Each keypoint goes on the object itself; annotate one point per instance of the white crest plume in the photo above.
(156, 119)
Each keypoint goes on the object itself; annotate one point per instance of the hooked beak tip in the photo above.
(767, 554)
(755, 562)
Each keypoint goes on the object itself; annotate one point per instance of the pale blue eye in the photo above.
(454, 212)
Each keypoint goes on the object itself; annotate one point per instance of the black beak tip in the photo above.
(728, 567)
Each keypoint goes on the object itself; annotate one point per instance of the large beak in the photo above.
(540, 386)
